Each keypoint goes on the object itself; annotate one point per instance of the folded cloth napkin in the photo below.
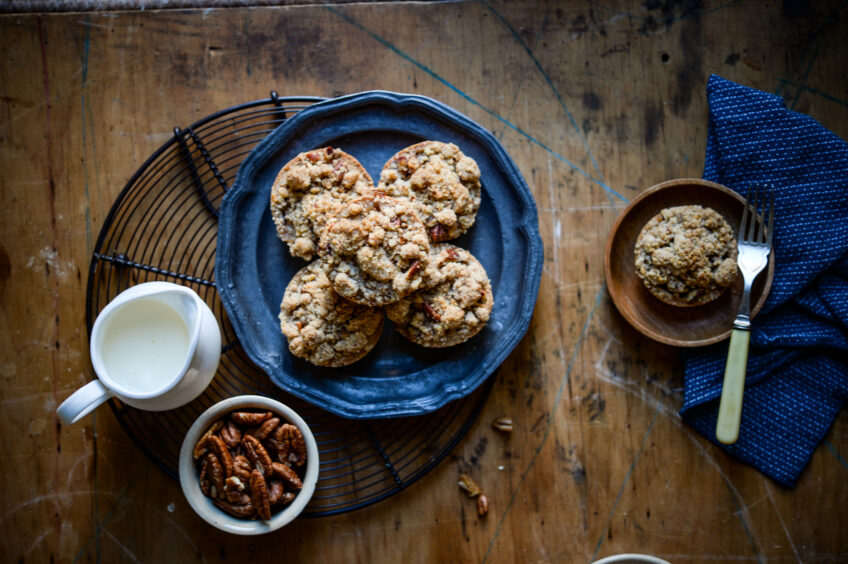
(797, 378)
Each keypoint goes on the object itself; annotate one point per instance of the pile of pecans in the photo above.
(249, 462)
(469, 486)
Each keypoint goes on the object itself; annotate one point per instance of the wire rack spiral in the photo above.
(163, 226)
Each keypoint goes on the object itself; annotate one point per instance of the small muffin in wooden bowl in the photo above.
(661, 320)
(686, 255)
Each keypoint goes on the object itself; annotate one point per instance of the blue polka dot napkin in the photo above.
(797, 378)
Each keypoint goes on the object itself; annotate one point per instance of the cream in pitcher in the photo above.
(156, 346)
(145, 344)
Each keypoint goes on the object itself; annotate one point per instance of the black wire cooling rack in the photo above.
(164, 226)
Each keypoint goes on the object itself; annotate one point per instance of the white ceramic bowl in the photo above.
(630, 559)
(189, 479)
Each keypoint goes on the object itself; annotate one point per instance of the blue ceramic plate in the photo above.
(397, 377)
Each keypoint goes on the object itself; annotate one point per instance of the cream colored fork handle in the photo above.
(730, 407)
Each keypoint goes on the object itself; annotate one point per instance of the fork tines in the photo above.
(754, 224)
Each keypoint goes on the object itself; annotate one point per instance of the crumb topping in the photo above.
(309, 190)
(323, 328)
(442, 182)
(375, 250)
(454, 305)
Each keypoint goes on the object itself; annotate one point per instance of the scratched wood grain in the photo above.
(595, 101)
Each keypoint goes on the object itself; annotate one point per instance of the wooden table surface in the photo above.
(594, 100)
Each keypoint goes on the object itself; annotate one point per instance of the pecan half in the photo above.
(217, 446)
(233, 488)
(288, 475)
(240, 510)
(469, 486)
(413, 270)
(313, 156)
(408, 161)
(265, 429)
(503, 424)
(256, 454)
(431, 312)
(200, 448)
(234, 483)
(250, 418)
(452, 254)
(205, 484)
(242, 468)
(292, 447)
(231, 434)
(438, 233)
(216, 476)
(275, 491)
(276, 446)
(281, 443)
(482, 505)
(259, 495)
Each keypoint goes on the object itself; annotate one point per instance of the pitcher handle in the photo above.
(83, 401)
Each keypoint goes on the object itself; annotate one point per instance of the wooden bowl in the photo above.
(691, 326)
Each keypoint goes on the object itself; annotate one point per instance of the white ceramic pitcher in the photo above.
(156, 346)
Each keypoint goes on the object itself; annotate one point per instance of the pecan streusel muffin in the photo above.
(308, 190)
(322, 327)
(442, 182)
(453, 307)
(686, 255)
(375, 250)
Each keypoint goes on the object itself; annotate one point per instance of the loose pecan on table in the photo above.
(482, 505)
(236, 468)
(503, 424)
(472, 490)
(468, 485)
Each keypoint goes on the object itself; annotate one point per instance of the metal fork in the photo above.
(753, 251)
